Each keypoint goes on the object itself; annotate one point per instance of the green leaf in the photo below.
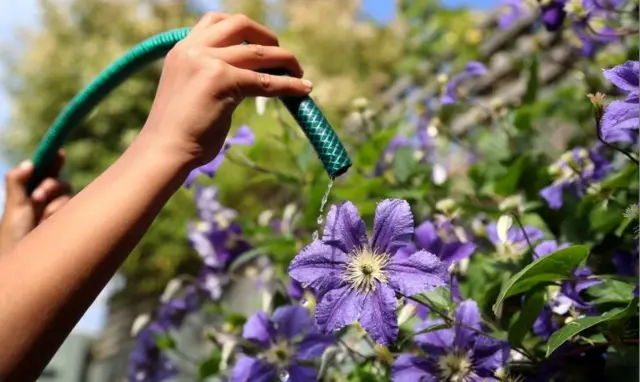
(403, 164)
(611, 291)
(604, 219)
(565, 333)
(432, 328)
(621, 179)
(211, 366)
(531, 93)
(507, 184)
(440, 298)
(165, 341)
(553, 267)
(531, 309)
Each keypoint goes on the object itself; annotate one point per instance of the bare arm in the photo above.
(50, 278)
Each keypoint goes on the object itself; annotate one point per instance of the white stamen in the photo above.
(365, 268)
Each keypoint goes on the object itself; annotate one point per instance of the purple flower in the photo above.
(512, 11)
(456, 354)
(574, 171)
(565, 301)
(547, 247)
(622, 117)
(147, 363)
(387, 155)
(553, 14)
(515, 243)
(626, 263)
(209, 207)
(217, 246)
(441, 239)
(472, 69)
(295, 290)
(285, 342)
(212, 281)
(171, 313)
(357, 279)
(244, 136)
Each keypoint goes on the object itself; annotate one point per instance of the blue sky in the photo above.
(24, 14)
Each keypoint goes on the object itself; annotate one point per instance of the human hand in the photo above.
(206, 76)
(23, 212)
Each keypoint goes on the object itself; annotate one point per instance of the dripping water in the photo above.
(323, 202)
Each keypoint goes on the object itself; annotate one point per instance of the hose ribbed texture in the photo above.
(315, 126)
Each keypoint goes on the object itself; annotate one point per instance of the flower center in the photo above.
(454, 367)
(510, 250)
(280, 354)
(365, 269)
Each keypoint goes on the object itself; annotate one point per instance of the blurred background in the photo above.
(372, 51)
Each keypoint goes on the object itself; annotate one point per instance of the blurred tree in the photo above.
(345, 55)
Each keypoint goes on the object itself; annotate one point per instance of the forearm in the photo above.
(49, 279)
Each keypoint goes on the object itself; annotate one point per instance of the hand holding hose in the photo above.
(206, 76)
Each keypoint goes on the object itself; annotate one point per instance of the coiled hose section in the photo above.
(304, 110)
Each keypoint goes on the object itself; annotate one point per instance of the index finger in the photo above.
(237, 29)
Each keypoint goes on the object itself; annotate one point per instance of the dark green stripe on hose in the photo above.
(304, 110)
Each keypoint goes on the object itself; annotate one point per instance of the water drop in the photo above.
(284, 376)
(320, 219)
(314, 236)
(304, 302)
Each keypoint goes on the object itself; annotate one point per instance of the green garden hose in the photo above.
(315, 126)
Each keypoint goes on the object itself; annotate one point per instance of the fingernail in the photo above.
(307, 83)
(25, 164)
(38, 194)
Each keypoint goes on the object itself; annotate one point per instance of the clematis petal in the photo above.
(437, 342)
(248, 369)
(393, 226)
(552, 195)
(408, 367)
(417, 273)
(426, 237)
(620, 115)
(344, 228)
(313, 345)
(467, 318)
(292, 321)
(489, 355)
(625, 76)
(243, 136)
(299, 373)
(259, 328)
(338, 308)
(378, 316)
(454, 252)
(318, 266)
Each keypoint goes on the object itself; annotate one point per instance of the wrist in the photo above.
(161, 155)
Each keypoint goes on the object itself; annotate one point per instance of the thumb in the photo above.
(16, 182)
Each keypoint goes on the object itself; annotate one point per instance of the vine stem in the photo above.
(524, 232)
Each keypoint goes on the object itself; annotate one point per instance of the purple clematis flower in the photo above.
(387, 155)
(286, 341)
(147, 363)
(512, 11)
(217, 246)
(295, 290)
(441, 239)
(621, 118)
(574, 171)
(209, 207)
(553, 14)
(565, 301)
(455, 354)
(244, 136)
(515, 242)
(356, 279)
(472, 69)
(171, 314)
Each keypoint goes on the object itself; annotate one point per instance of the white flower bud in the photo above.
(139, 323)
(504, 225)
(261, 105)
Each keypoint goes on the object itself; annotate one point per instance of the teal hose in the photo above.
(326, 143)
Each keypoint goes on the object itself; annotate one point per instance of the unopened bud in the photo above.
(383, 354)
